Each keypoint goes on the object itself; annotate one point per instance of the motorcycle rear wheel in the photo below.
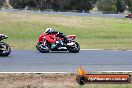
(6, 50)
(75, 49)
(43, 49)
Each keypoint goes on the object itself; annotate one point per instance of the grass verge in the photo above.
(23, 30)
(33, 80)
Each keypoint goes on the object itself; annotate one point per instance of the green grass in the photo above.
(23, 30)
(48, 80)
(106, 86)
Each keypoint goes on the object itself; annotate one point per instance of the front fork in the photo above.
(2, 48)
(44, 42)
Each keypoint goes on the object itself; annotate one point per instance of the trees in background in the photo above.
(40, 4)
(58, 5)
(80, 5)
(1, 3)
(106, 5)
(62, 5)
(111, 6)
(17, 4)
(120, 5)
(66, 5)
(129, 4)
(114, 5)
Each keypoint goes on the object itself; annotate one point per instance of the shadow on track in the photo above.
(55, 52)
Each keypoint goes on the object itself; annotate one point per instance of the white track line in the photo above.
(116, 71)
(64, 72)
(38, 72)
(105, 49)
(91, 49)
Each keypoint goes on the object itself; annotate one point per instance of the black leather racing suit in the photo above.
(59, 34)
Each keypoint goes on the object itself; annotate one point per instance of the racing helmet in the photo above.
(48, 30)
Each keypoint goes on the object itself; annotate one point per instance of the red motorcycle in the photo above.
(53, 42)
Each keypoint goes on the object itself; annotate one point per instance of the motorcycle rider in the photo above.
(59, 34)
(52, 31)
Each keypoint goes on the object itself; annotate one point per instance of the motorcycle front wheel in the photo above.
(43, 49)
(74, 48)
(5, 49)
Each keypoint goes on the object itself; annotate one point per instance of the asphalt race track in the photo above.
(70, 13)
(91, 60)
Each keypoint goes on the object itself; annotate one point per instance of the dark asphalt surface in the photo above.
(91, 60)
(87, 14)
(97, 14)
